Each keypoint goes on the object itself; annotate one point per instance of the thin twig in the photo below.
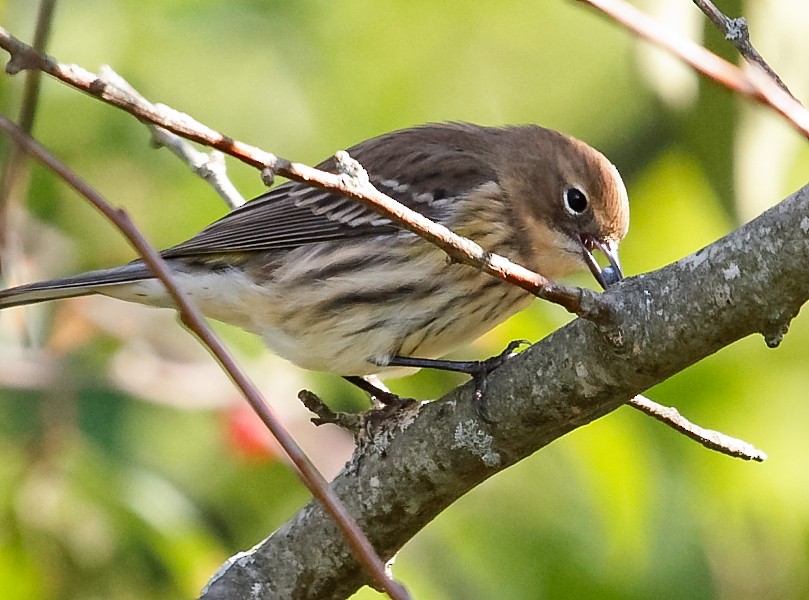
(760, 89)
(351, 422)
(579, 301)
(713, 440)
(354, 182)
(738, 34)
(210, 166)
(195, 322)
(15, 164)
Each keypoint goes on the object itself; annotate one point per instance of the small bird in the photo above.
(333, 286)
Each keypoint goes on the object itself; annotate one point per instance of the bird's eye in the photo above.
(575, 201)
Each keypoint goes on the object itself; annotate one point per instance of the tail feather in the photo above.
(70, 287)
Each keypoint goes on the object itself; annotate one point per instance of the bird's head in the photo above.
(569, 201)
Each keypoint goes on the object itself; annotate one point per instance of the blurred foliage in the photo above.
(127, 469)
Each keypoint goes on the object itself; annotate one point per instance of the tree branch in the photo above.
(210, 167)
(354, 186)
(14, 170)
(751, 281)
(713, 440)
(192, 318)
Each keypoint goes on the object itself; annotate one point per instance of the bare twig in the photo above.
(14, 168)
(579, 301)
(354, 183)
(349, 421)
(760, 89)
(738, 34)
(211, 167)
(713, 440)
(195, 322)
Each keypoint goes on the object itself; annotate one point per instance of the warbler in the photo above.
(333, 286)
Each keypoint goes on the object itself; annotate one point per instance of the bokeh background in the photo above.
(129, 467)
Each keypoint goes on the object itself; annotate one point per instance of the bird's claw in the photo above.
(480, 375)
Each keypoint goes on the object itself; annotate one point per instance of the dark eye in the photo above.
(575, 201)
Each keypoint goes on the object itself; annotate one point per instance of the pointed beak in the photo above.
(608, 275)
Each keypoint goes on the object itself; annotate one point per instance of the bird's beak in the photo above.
(608, 275)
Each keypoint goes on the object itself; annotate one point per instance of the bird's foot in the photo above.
(480, 370)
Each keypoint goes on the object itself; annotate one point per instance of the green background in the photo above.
(124, 467)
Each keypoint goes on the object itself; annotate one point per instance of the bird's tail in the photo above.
(78, 285)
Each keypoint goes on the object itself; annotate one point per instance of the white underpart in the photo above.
(220, 296)
(231, 297)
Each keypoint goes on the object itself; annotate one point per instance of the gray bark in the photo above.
(752, 281)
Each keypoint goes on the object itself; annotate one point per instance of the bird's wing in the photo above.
(418, 167)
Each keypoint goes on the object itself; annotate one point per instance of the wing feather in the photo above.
(294, 214)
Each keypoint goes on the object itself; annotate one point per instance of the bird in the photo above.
(333, 286)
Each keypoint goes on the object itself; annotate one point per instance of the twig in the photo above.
(352, 423)
(713, 440)
(760, 89)
(582, 302)
(28, 107)
(771, 93)
(211, 167)
(195, 322)
(354, 183)
(738, 34)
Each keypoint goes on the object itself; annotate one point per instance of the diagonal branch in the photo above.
(751, 281)
(192, 318)
(713, 440)
(738, 34)
(14, 170)
(579, 301)
(761, 88)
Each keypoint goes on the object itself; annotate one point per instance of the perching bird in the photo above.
(332, 286)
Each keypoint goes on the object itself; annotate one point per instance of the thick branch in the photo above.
(753, 280)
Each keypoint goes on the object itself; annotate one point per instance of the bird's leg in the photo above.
(378, 393)
(478, 369)
(384, 396)
(375, 381)
(386, 405)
